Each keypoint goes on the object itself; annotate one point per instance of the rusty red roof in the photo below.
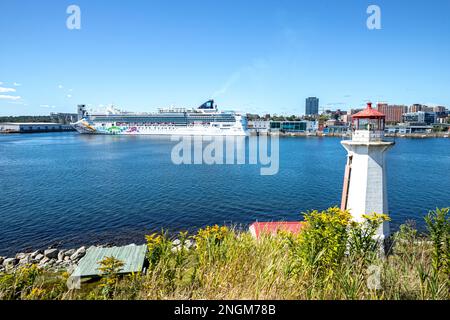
(258, 228)
(369, 113)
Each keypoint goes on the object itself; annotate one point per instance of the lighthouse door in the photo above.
(348, 171)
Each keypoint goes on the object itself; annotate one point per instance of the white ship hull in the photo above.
(85, 128)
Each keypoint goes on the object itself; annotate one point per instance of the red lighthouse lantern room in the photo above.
(369, 119)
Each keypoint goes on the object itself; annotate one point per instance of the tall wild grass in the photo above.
(332, 258)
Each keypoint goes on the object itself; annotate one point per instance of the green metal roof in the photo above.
(132, 256)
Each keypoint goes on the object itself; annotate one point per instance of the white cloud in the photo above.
(251, 70)
(17, 84)
(230, 81)
(1, 83)
(60, 86)
(47, 106)
(7, 97)
(18, 102)
(4, 90)
(69, 96)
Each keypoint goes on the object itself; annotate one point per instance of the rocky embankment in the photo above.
(60, 260)
(51, 259)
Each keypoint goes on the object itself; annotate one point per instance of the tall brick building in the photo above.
(393, 112)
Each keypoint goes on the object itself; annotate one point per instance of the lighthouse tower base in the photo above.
(365, 181)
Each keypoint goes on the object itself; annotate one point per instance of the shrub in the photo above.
(20, 283)
(362, 241)
(208, 243)
(438, 224)
(405, 239)
(331, 235)
(159, 246)
(323, 241)
(109, 268)
(211, 235)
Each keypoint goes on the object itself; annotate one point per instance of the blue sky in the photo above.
(253, 56)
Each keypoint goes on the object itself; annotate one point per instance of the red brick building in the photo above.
(393, 112)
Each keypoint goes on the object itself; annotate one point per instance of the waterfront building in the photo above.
(312, 126)
(312, 106)
(289, 126)
(33, 127)
(439, 109)
(393, 112)
(334, 122)
(364, 189)
(441, 114)
(404, 128)
(258, 126)
(420, 117)
(334, 126)
(442, 117)
(335, 129)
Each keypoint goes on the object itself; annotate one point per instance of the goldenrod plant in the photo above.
(110, 268)
(438, 224)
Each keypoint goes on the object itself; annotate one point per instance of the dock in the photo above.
(34, 127)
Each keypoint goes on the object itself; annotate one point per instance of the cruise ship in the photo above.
(206, 120)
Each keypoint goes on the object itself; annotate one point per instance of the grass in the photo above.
(227, 264)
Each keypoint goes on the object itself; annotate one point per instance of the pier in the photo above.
(33, 127)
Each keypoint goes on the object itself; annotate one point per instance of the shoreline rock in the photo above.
(51, 253)
(51, 258)
(63, 259)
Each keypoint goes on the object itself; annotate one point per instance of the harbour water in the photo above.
(66, 189)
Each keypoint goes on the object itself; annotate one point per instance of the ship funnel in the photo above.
(208, 105)
(81, 111)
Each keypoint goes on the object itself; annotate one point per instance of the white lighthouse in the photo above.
(364, 190)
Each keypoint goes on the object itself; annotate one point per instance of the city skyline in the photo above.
(139, 59)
